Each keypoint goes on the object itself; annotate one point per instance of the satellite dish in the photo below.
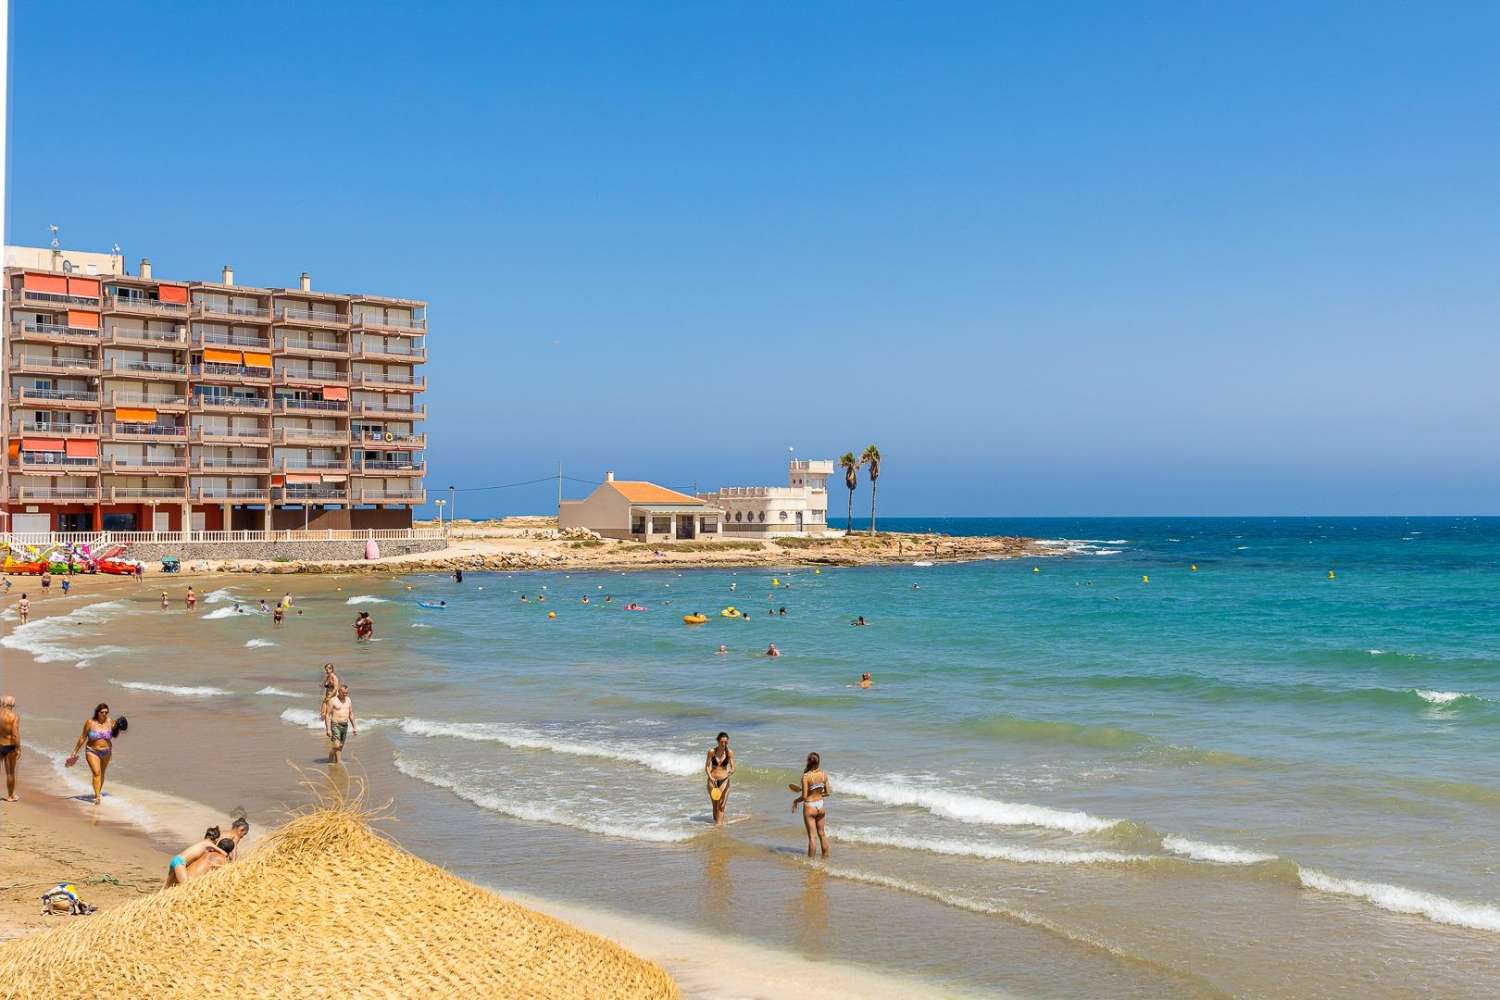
(67, 267)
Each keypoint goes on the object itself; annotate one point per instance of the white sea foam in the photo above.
(1107, 552)
(664, 761)
(258, 643)
(177, 689)
(1479, 916)
(302, 717)
(280, 692)
(967, 808)
(631, 828)
(977, 849)
(1440, 697)
(55, 639)
(420, 625)
(367, 599)
(219, 596)
(1219, 853)
(1375, 652)
(221, 613)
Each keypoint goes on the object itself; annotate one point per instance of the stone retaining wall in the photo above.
(151, 553)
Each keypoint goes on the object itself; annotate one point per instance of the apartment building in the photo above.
(139, 403)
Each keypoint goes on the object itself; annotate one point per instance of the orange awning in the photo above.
(254, 359)
(77, 317)
(303, 478)
(339, 392)
(84, 286)
(334, 477)
(134, 415)
(54, 283)
(172, 293)
(15, 449)
(41, 444)
(221, 357)
(278, 480)
(82, 449)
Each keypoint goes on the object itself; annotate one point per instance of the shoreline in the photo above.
(118, 852)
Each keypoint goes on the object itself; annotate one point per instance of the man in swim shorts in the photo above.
(10, 743)
(23, 608)
(340, 723)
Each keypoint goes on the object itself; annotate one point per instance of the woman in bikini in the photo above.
(719, 767)
(330, 688)
(814, 800)
(228, 850)
(97, 741)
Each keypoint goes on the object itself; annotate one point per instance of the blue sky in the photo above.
(1054, 259)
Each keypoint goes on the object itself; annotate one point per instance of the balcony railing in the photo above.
(231, 433)
(242, 313)
(381, 496)
(22, 329)
(389, 322)
(215, 369)
(391, 411)
(285, 434)
(127, 463)
(153, 431)
(295, 315)
(131, 335)
(238, 402)
(201, 337)
(52, 460)
(212, 463)
(416, 353)
(140, 399)
(38, 363)
(59, 299)
(155, 307)
(126, 493)
(309, 375)
(231, 493)
(24, 394)
(384, 440)
(318, 405)
(291, 343)
(414, 383)
(294, 493)
(118, 367)
(21, 494)
(378, 467)
(324, 464)
(54, 429)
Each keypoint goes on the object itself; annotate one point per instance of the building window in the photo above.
(739, 515)
(762, 517)
(638, 526)
(661, 525)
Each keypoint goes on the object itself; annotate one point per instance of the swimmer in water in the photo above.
(164, 601)
(865, 681)
(585, 599)
(723, 649)
(859, 621)
(771, 650)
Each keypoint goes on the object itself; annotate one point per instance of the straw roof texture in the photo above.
(324, 907)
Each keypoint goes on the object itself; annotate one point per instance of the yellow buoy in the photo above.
(1145, 579)
(1330, 575)
(816, 572)
(1036, 569)
(775, 582)
(1195, 567)
(552, 614)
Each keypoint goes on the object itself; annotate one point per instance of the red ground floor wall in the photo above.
(90, 517)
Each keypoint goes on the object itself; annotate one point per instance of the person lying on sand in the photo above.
(177, 868)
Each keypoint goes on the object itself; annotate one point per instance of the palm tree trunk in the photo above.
(849, 527)
(872, 510)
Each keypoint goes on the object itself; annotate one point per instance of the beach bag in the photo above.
(64, 898)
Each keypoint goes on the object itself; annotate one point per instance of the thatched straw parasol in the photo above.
(324, 907)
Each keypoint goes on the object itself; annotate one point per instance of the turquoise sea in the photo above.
(1100, 773)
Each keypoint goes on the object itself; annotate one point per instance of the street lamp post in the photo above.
(441, 528)
(452, 505)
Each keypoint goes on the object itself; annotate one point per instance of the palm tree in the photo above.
(871, 457)
(850, 465)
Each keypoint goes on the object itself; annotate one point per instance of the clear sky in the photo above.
(1052, 258)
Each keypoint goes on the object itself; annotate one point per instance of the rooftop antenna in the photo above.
(56, 243)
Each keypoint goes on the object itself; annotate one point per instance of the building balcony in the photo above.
(390, 324)
(297, 316)
(156, 433)
(395, 467)
(43, 365)
(389, 411)
(211, 338)
(213, 371)
(49, 428)
(310, 435)
(311, 493)
(144, 466)
(27, 493)
(143, 494)
(377, 495)
(289, 344)
(390, 442)
(236, 494)
(215, 466)
(144, 307)
(256, 436)
(391, 383)
(53, 464)
(52, 333)
(313, 464)
(58, 300)
(309, 378)
(140, 400)
(149, 370)
(320, 406)
(226, 403)
(54, 399)
(415, 354)
(115, 334)
(232, 314)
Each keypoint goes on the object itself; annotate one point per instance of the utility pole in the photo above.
(559, 489)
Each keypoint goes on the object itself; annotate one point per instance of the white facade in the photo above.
(798, 508)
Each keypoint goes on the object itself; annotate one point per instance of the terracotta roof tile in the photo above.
(639, 491)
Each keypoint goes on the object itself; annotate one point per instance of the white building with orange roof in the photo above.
(636, 510)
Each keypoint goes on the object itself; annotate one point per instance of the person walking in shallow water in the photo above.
(341, 724)
(10, 743)
(719, 767)
(97, 741)
(814, 797)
